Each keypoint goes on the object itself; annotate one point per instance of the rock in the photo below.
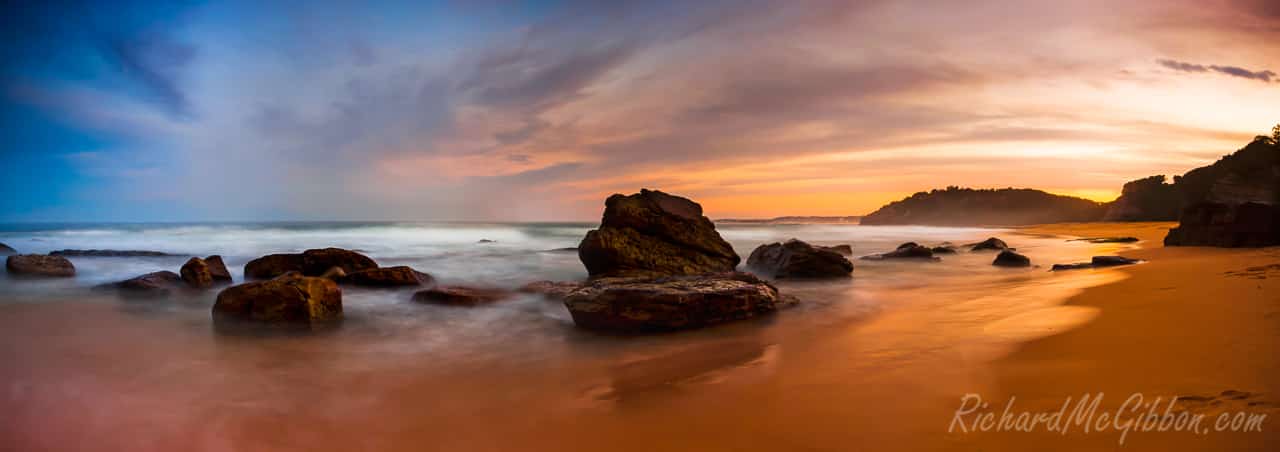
(196, 273)
(387, 277)
(460, 296)
(652, 233)
(290, 299)
(909, 250)
(487, 241)
(555, 290)
(990, 244)
(39, 265)
(1111, 261)
(797, 259)
(1250, 224)
(316, 262)
(629, 305)
(1106, 239)
(943, 249)
(1008, 258)
(571, 249)
(272, 265)
(844, 250)
(111, 253)
(217, 269)
(5, 250)
(151, 285)
(335, 274)
(1075, 266)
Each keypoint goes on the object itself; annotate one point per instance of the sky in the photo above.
(536, 111)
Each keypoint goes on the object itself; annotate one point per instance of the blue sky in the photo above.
(226, 111)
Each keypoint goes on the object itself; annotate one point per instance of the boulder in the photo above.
(272, 265)
(5, 250)
(653, 234)
(151, 285)
(217, 269)
(909, 250)
(39, 265)
(196, 273)
(316, 262)
(629, 305)
(387, 277)
(460, 296)
(555, 290)
(845, 250)
(1075, 266)
(110, 253)
(290, 299)
(797, 259)
(1008, 258)
(990, 244)
(1111, 261)
(1250, 224)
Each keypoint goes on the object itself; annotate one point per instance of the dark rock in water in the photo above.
(1106, 239)
(336, 274)
(1075, 266)
(844, 250)
(388, 277)
(1111, 261)
(909, 250)
(39, 265)
(990, 244)
(151, 285)
(111, 253)
(1008, 258)
(316, 262)
(555, 290)
(460, 296)
(486, 241)
(196, 273)
(652, 233)
(797, 259)
(5, 250)
(943, 249)
(290, 299)
(629, 305)
(1250, 224)
(571, 249)
(272, 265)
(310, 263)
(217, 269)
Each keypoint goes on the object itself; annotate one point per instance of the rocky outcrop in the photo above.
(110, 253)
(797, 259)
(400, 276)
(990, 244)
(460, 296)
(151, 285)
(313, 262)
(39, 265)
(909, 250)
(290, 299)
(957, 206)
(555, 290)
(5, 250)
(1096, 262)
(652, 234)
(630, 305)
(1009, 258)
(1227, 225)
(1146, 199)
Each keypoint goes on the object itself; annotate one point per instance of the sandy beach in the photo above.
(1199, 323)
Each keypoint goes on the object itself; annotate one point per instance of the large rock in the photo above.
(1250, 224)
(555, 290)
(909, 250)
(218, 269)
(387, 277)
(797, 259)
(272, 265)
(1009, 258)
(290, 299)
(460, 296)
(662, 304)
(196, 273)
(310, 263)
(5, 250)
(990, 244)
(39, 265)
(151, 285)
(652, 233)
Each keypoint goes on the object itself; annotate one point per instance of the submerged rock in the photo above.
(5, 250)
(1097, 262)
(555, 290)
(1009, 258)
(313, 262)
(151, 285)
(486, 241)
(110, 253)
(460, 296)
(642, 305)
(290, 299)
(909, 250)
(797, 259)
(651, 234)
(39, 265)
(386, 277)
(990, 244)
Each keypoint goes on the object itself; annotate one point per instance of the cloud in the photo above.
(1265, 76)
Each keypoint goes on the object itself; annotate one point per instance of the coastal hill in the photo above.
(955, 206)
(793, 220)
